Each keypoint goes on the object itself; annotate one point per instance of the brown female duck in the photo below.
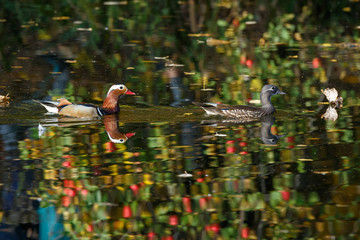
(241, 111)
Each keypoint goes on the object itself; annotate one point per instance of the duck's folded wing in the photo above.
(212, 108)
(233, 111)
(80, 110)
(240, 111)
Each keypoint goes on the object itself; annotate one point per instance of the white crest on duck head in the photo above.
(117, 86)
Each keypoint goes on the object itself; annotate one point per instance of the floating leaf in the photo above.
(333, 98)
(222, 23)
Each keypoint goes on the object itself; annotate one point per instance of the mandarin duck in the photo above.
(86, 110)
(241, 111)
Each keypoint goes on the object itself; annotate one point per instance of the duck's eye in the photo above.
(122, 140)
(121, 87)
(273, 88)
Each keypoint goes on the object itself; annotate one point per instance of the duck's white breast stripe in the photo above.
(99, 112)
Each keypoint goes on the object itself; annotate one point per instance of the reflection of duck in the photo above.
(109, 106)
(265, 132)
(240, 111)
(110, 123)
(111, 128)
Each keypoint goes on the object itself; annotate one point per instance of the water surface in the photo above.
(161, 169)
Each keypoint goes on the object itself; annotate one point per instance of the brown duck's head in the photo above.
(119, 89)
(112, 97)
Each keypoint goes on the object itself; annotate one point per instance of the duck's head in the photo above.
(119, 89)
(271, 140)
(120, 137)
(271, 90)
(112, 129)
(111, 102)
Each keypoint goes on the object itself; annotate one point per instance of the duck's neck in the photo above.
(111, 102)
(266, 103)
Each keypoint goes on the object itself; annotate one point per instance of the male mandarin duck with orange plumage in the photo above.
(86, 110)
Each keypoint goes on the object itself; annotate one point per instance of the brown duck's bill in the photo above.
(128, 92)
(129, 135)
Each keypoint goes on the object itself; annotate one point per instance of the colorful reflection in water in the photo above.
(191, 180)
(161, 169)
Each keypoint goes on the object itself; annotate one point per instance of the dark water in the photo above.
(182, 174)
(161, 169)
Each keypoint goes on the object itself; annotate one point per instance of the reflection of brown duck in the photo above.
(111, 128)
(110, 123)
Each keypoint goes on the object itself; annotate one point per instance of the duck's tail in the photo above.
(210, 108)
(51, 106)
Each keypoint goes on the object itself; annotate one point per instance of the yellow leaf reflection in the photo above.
(214, 42)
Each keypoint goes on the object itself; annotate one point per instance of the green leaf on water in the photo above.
(222, 23)
(98, 196)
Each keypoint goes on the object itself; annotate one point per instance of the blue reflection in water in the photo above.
(189, 134)
(51, 227)
(60, 73)
(20, 219)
